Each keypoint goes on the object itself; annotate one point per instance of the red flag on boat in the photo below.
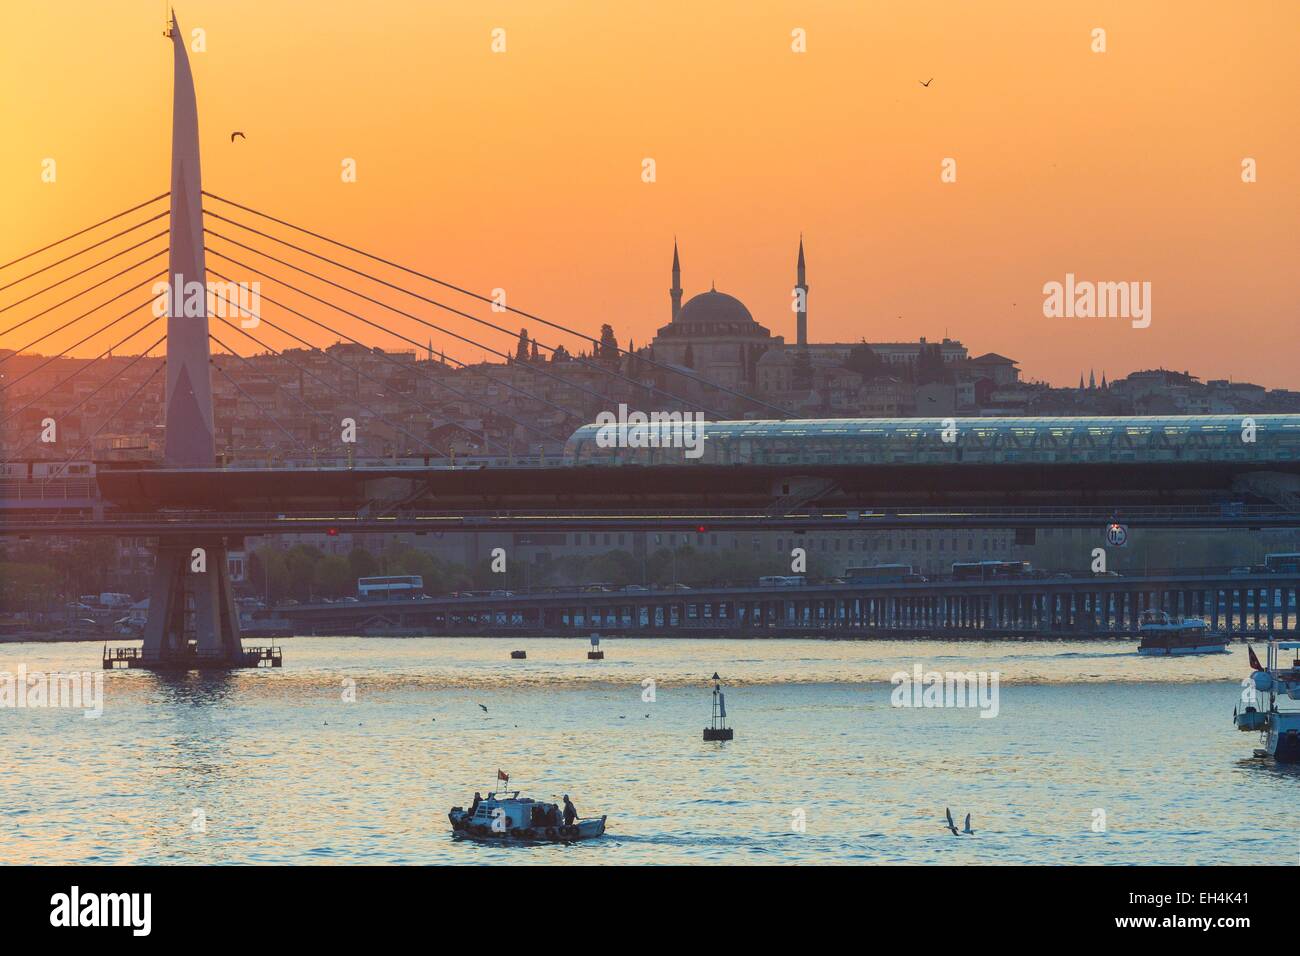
(502, 775)
(1254, 661)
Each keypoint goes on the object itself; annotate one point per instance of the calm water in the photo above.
(285, 771)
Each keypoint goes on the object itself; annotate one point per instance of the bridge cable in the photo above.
(483, 298)
(155, 276)
(83, 315)
(380, 354)
(112, 378)
(267, 378)
(441, 305)
(568, 384)
(263, 411)
(322, 381)
(467, 398)
(386, 357)
(81, 368)
(74, 345)
(82, 232)
(74, 255)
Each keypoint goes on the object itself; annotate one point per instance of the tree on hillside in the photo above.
(607, 352)
(268, 574)
(300, 562)
(333, 578)
(930, 366)
(361, 563)
(863, 360)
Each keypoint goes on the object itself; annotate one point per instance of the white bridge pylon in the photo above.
(193, 621)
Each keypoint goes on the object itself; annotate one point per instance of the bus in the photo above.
(989, 570)
(781, 581)
(1288, 563)
(391, 588)
(878, 573)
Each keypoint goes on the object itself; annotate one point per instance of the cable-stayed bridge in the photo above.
(537, 461)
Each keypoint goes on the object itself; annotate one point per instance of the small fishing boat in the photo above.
(1165, 636)
(1270, 702)
(595, 654)
(506, 817)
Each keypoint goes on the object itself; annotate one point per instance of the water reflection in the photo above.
(284, 769)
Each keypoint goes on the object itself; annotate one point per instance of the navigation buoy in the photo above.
(595, 654)
(519, 655)
(718, 729)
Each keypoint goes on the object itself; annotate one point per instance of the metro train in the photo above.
(871, 441)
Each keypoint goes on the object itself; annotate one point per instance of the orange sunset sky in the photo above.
(522, 170)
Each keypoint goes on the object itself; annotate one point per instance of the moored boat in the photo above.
(1271, 702)
(507, 817)
(1165, 636)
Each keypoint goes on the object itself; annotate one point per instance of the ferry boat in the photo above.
(1271, 703)
(1164, 636)
(507, 817)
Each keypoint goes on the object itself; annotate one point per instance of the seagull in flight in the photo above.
(236, 133)
(927, 82)
(952, 827)
(968, 830)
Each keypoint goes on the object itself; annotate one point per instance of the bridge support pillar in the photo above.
(193, 621)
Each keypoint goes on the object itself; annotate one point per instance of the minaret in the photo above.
(801, 286)
(676, 290)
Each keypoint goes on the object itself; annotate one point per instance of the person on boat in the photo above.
(570, 811)
(478, 798)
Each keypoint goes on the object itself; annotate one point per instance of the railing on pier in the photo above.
(256, 656)
(48, 489)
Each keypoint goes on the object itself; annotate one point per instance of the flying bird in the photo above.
(952, 827)
(968, 830)
(927, 82)
(236, 133)
(483, 707)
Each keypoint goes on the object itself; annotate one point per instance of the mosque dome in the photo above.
(714, 308)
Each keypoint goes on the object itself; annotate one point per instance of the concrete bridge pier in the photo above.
(193, 619)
